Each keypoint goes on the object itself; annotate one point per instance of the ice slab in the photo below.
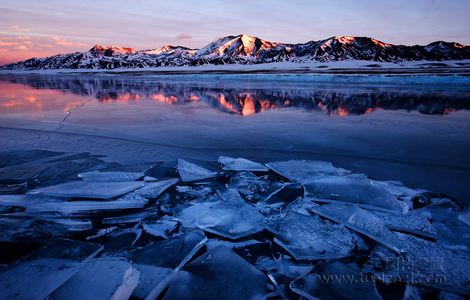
(352, 189)
(188, 216)
(286, 194)
(86, 189)
(233, 218)
(302, 206)
(252, 187)
(154, 189)
(171, 252)
(42, 272)
(302, 170)
(218, 274)
(130, 218)
(192, 172)
(194, 192)
(412, 223)
(425, 263)
(360, 221)
(85, 208)
(150, 277)
(160, 228)
(309, 238)
(335, 281)
(63, 227)
(98, 176)
(241, 164)
(100, 278)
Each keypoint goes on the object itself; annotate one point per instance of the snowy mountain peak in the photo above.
(246, 49)
(111, 50)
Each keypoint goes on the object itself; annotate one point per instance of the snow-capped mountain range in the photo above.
(245, 49)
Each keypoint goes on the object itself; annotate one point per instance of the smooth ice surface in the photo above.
(46, 269)
(412, 223)
(159, 228)
(241, 164)
(152, 190)
(218, 274)
(465, 217)
(86, 189)
(233, 218)
(171, 252)
(97, 176)
(302, 170)
(77, 208)
(361, 221)
(309, 238)
(192, 172)
(97, 279)
(425, 263)
(321, 283)
(352, 189)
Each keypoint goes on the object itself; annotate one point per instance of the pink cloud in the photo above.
(18, 28)
(63, 42)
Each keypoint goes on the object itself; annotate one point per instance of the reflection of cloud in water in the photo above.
(333, 100)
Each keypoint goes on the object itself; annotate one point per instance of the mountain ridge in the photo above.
(246, 49)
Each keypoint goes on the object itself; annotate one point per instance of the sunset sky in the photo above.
(36, 28)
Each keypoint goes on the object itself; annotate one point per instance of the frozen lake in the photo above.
(417, 134)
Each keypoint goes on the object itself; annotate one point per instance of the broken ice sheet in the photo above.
(194, 192)
(63, 227)
(172, 252)
(159, 228)
(360, 221)
(42, 272)
(425, 263)
(152, 190)
(86, 189)
(352, 189)
(192, 172)
(218, 274)
(309, 238)
(100, 278)
(302, 170)
(98, 176)
(336, 280)
(412, 223)
(86, 208)
(233, 218)
(241, 164)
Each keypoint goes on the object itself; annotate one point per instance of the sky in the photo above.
(38, 28)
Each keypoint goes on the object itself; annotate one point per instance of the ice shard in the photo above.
(412, 223)
(302, 170)
(360, 221)
(42, 272)
(98, 176)
(130, 218)
(425, 263)
(192, 172)
(152, 190)
(218, 274)
(241, 164)
(100, 278)
(159, 228)
(336, 280)
(465, 217)
(233, 218)
(309, 238)
(352, 189)
(87, 189)
(188, 216)
(86, 208)
(252, 187)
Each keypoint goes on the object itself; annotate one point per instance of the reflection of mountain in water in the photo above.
(334, 100)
